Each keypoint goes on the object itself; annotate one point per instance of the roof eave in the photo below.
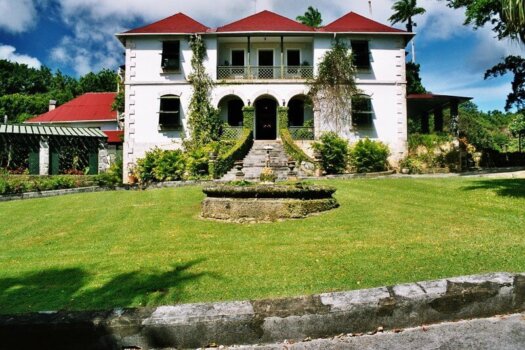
(71, 121)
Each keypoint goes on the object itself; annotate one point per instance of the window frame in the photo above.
(172, 125)
(362, 117)
(176, 55)
(368, 65)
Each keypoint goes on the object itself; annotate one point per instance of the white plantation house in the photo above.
(263, 61)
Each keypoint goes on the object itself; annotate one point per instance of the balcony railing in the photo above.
(264, 72)
(302, 132)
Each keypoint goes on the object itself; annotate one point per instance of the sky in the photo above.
(77, 36)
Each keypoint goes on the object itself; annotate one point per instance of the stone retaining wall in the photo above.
(251, 322)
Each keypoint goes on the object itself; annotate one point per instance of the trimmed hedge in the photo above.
(289, 145)
(241, 148)
(298, 191)
(14, 184)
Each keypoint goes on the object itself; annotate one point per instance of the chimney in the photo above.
(52, 105)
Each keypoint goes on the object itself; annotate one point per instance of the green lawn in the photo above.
(103, 250)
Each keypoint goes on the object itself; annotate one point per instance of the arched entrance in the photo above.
(230, 108)
(265, 119)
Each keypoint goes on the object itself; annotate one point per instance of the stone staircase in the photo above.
(255, 161)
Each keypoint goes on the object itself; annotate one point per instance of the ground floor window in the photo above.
(169, 115)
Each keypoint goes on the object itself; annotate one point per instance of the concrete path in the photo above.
(501, 332)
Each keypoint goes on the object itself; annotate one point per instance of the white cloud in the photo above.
(8, 52)
(17, 16)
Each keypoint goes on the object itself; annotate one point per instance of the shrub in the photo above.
(161, 165)
(369, 156)
(333, 151)
(238, 151)
(13, 184)
(113, 176)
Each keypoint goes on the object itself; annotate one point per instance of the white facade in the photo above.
(146, 82)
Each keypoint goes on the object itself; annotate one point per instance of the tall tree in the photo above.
(515, 65)
(312, 17)
(514, 16)
(404, 10)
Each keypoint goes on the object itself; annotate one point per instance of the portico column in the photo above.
(438, 119)
(425, 127)
(103, 159)
(43, 157)
(282, 57)
(454, 118)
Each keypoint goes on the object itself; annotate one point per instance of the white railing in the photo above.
(264, 72)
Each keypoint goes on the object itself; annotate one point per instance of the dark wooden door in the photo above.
(265, 64)
(266, 119)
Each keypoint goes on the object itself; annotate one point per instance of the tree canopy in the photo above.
(25, 91)
(312, 17)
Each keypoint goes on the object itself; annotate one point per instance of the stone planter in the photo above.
(260, 203)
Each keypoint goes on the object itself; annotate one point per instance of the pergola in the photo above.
(423, 105)
(43, 149)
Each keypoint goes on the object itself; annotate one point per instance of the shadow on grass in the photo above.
(62, 289)
(503, 187)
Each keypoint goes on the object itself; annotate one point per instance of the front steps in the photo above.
(255, 161)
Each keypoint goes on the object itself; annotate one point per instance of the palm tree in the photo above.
(514, 16)
(312, 17)
(404, 11)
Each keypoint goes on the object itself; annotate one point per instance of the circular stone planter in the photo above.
(266, 202)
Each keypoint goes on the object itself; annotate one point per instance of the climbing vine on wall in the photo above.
(333, 88)
(203, 121)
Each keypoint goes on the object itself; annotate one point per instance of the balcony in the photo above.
(265, 72)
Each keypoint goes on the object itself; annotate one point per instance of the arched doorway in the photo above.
(265, 119)
(230, 108)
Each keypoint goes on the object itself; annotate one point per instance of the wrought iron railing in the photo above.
(302, 132)
(231, 132)
(264, 72)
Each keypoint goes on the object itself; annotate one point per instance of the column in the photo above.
(103, 159)
(438, 119)
(43, 158)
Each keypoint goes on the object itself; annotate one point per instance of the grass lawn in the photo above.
(127, 249)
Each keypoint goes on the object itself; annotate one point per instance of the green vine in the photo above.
(203, 120)
(333, 88)
(248, 113)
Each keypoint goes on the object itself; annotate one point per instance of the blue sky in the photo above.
(77, 36)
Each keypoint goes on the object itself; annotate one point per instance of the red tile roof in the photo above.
(90, 107)
(352, 22)
(114, 136)
(176, 24)
(265, 21)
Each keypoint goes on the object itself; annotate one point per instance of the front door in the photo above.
(266, 119)
(265, 64)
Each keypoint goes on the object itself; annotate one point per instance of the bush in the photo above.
(333, 151)
(161, 165)
(113, 176)
(369, 156)
(13, 184)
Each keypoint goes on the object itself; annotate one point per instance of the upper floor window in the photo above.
(169, 115)
(238, 58)
(360, 52)
(362, 110)
(171, 55)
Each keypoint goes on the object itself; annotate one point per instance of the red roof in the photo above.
(90, 107)
(352, 22)
(265, 21)
(176, 24)
(114, 136)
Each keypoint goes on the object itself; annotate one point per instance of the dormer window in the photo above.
(171, 55)
(360, 52)
(169, 115)
(362, 110)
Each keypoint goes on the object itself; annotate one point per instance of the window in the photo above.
(238, 58)
(360, 54)
(235, 115)
(169, 115)
(171, 55)
(362, 110)
(293, 57)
